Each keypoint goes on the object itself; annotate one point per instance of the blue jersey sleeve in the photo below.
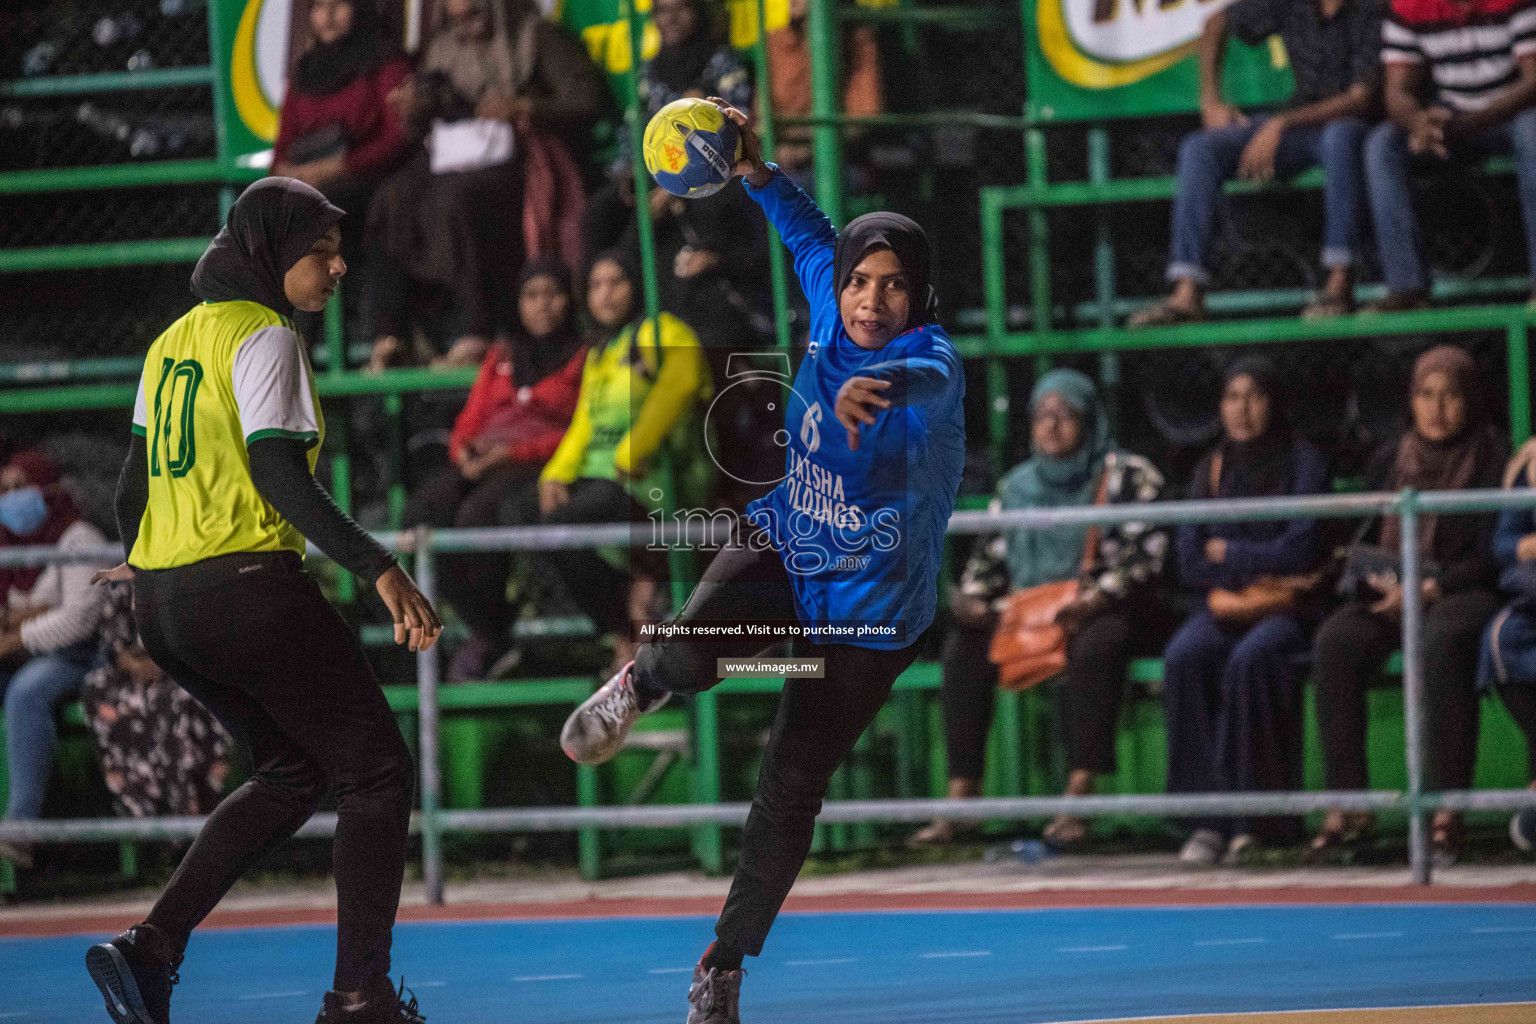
(807, 233)
(919, 378)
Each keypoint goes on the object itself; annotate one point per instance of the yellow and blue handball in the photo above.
(690, 148)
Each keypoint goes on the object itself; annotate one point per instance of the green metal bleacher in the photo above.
(476, 716)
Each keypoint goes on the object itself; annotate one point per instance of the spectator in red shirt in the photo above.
(517, 412)
(337, 130)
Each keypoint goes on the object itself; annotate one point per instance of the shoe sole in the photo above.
(111, 973)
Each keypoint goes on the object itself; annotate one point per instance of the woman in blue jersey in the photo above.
(845, 550)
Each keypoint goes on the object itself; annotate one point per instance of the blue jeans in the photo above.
(30, 695)
(1209, 158)
(1387, 165)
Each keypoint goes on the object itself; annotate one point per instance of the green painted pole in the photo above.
(1039, 234)
(117, 81)
(1519, 365)
(708, 842)
(765, 132)
(394, 413)
(826, 138)
(1104, 270)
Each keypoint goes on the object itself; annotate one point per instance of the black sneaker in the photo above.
(383, 1005)
(715, 997)
(135, 973)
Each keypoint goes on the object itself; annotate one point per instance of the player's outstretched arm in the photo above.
(806, 231)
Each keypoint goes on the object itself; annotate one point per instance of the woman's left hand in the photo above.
(855, 401)
(319, 173)
(1216, 550)
(501, 108)
(10, 644)
(117, 574)
(1391, 590)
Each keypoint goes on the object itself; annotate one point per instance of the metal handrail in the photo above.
(433, 822)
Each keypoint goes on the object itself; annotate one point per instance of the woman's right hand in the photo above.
(1526, 549)
(751, 165)
(552, 494)
(416, 624)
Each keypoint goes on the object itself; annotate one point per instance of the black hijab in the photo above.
(329, 67)
(269, 229)
(534, 358)
(681, 67)
(1260, 467)
(902, 236)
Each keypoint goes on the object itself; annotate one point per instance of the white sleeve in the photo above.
(274, 387)
(140, 411)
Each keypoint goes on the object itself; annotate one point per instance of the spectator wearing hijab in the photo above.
(1507, 659)
(641, 387)
(1232, 690)
(337, 131)
(1073, 457)
(518, 410)
(47, 630)
(1448, 446)
(692, 61)
(461, 232)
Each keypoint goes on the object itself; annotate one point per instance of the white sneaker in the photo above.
(596, 730)
(1204, 848)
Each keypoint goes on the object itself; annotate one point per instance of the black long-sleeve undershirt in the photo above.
(280, 471)
(132, 493)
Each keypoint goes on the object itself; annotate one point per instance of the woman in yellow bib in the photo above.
(214, 503)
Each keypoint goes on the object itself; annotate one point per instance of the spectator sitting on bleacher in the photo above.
(496, 74)
(1232, 684)
(162, 752)
(692, 61)
(47, 628)
(337, 131)
(518, 410)
(1475, 61)
(1450, 445)
(1074, 463)
(1507, 662)
(1332, 46)
(640, 390)
(789, 65)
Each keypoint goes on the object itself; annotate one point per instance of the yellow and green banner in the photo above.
(1104, 59)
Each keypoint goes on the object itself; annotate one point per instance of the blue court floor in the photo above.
(988, 967)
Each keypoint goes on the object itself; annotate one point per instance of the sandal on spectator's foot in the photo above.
(1166, 313)
(1325, 306)
(1399, 302)
(1446, 840)
(19, 854)
(1065, 833)
(1341, 833)
(940, 832)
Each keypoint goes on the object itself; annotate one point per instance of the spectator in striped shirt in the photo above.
(1460, 79)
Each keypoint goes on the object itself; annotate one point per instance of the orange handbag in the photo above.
(1266, 595)
(1029, 647)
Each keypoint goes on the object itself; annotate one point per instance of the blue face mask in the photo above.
(23, 511)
